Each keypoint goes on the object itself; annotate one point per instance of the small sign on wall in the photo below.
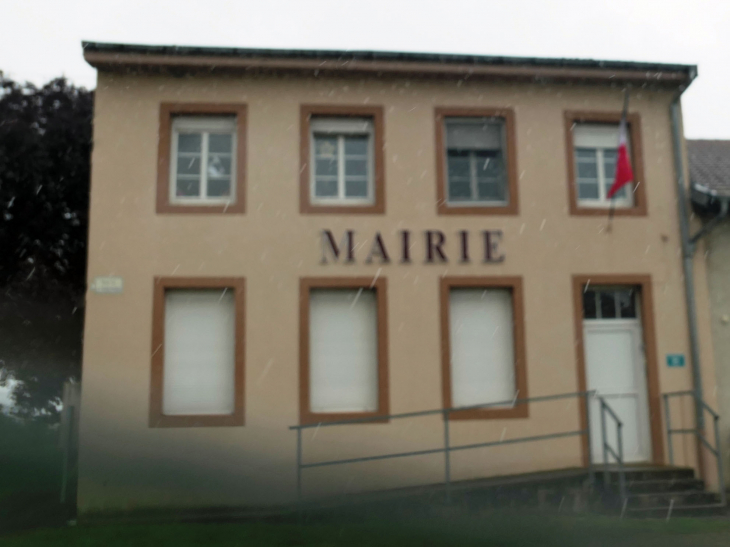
(107, 285)
(675, 360)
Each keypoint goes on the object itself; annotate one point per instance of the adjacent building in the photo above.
(709, 163)
(280, 238)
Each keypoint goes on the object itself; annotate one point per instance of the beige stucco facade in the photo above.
(718, 267)
(126, 464)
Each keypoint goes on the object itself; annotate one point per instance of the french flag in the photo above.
(624, 173)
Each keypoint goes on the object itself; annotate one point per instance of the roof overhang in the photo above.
(179, 59)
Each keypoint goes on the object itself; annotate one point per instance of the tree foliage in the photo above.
(45, 147)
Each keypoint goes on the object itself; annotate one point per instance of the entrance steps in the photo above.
(650, 490)
(661, 492)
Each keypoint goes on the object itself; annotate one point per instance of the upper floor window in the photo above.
(595, 158)
(592, 145)
(342, 159)
(202, 158)
(476, 161)
(204, 163)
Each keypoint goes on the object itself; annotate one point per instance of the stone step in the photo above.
(706, 510)
(656, 486)
(634, 474)
(665, 499)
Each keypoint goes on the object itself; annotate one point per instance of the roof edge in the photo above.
(111, 56)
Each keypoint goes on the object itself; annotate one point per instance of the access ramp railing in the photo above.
(608, 450)
(448, 447)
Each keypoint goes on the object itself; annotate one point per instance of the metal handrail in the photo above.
(699, 433)
(447, 447)
(618, 454)
(510, 402)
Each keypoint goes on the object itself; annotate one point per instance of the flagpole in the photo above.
(624, 115)
(610, 216)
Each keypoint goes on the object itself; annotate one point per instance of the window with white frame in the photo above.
(342, 161)
(199, 352)
(610, 303)
(343, 360)
(203, 166)
(482, 346)
(475, 152)
(596, 151)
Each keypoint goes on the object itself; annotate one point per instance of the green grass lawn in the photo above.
(488, 529)
(31, 515)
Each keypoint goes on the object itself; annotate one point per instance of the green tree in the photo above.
(45, 146)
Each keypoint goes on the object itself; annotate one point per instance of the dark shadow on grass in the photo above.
(30, 477)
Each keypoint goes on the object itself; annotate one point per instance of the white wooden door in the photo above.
(616, 369)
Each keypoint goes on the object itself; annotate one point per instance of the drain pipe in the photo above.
(688, 248)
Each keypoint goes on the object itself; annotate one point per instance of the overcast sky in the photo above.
(41, 39)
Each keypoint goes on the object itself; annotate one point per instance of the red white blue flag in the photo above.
(624, 173)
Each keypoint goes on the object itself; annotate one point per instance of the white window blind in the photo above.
(474, 134)
(482, 346)
(199, 350)
(343, 350)
(589, 135)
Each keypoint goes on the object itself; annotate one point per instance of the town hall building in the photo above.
(281, 241)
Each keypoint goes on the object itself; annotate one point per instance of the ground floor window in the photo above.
(483, 339)
(343, 349)
(197, 371)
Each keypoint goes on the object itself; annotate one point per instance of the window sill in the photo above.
(200, 420)
(447, 209)
(200, 208)
(582, 210)
(311, 418)
(186, 202)
(342, 209)
(603, 205)
(521, 411)
(342, 203)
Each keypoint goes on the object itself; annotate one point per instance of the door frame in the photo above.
(650, 355)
